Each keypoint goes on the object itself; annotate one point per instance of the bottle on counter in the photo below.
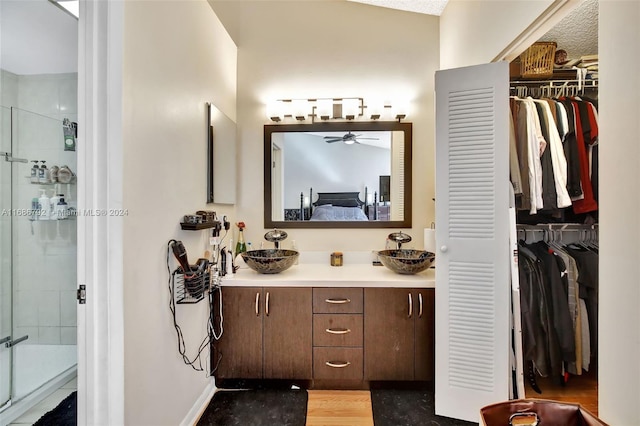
(241, 246)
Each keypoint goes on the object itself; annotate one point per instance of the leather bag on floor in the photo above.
(546, 411)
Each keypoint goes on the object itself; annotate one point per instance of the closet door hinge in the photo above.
(82, 294)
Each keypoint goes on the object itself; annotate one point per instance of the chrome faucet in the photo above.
(275, 237)
(399, 238)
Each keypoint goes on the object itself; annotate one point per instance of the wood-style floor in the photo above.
(339, 408)
(353, 408)
(581, 389)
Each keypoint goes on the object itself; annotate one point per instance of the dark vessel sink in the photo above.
(406, 261)
(270, 261)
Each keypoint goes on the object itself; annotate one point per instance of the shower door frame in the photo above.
(7, 350)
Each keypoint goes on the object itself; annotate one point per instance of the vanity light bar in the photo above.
(329, 108)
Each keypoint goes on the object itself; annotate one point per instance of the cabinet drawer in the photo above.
(337, 363)
(337, 330)
(337, 300)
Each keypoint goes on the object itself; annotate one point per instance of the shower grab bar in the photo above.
(15, 342)
(8, 157)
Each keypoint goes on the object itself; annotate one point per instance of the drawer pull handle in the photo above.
(410, 305)
(338, 330)
(266, 305)
(257, 301)
(337, 364)
(338, 301)
(420, 299)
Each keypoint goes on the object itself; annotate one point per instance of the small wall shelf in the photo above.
(197, 226)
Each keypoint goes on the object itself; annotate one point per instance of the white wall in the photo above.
(312, 49)
(619, 108)
(177, 57)
(474, 32)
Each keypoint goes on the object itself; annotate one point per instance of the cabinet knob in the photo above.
(444, 249)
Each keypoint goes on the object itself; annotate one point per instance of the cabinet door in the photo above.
(388, 334)
(424, 305)
(240, 347)
(288, 333)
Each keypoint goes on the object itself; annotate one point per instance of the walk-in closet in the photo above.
(554, 173)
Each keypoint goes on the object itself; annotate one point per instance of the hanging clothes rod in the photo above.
(556, 231)
(555, 83)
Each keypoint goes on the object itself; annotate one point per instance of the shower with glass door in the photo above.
(38, 249)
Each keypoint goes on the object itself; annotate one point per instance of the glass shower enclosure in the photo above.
(38, 246)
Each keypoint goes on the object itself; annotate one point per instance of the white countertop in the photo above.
(314, 274)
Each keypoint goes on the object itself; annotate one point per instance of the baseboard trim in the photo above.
(200, 405)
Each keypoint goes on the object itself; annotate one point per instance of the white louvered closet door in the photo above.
(472, 235)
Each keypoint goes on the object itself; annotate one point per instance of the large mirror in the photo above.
(337, 175)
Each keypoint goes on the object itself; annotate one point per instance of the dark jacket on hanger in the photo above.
(557, 299)
(574, 187)
(587, 262)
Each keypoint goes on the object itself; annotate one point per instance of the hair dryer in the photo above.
(181, 255)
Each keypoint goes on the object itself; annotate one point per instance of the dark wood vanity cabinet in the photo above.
(399, 333)
(333, 335)
(267, 333)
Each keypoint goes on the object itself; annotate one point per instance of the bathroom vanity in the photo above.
(332, 327)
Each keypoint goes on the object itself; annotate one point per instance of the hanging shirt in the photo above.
(532, 139)
(558, 160)
(514, 163)
(561, 120)
(583, 135)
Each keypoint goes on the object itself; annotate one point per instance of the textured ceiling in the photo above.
(578, 32)
(429, 7)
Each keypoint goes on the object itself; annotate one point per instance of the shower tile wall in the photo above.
(44, 251)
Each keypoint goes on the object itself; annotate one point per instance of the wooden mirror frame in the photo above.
(338, 127)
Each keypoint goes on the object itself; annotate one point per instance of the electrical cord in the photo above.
(211, 309)
(172, 307)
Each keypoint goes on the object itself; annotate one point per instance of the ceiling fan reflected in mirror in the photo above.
(348, 138)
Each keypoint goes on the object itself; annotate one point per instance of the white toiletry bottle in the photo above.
(61, 208)
(44, 204)
(55, 198)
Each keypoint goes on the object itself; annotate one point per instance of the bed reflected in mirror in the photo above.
(338, 175)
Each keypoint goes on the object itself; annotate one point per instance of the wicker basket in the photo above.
(537, 61)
